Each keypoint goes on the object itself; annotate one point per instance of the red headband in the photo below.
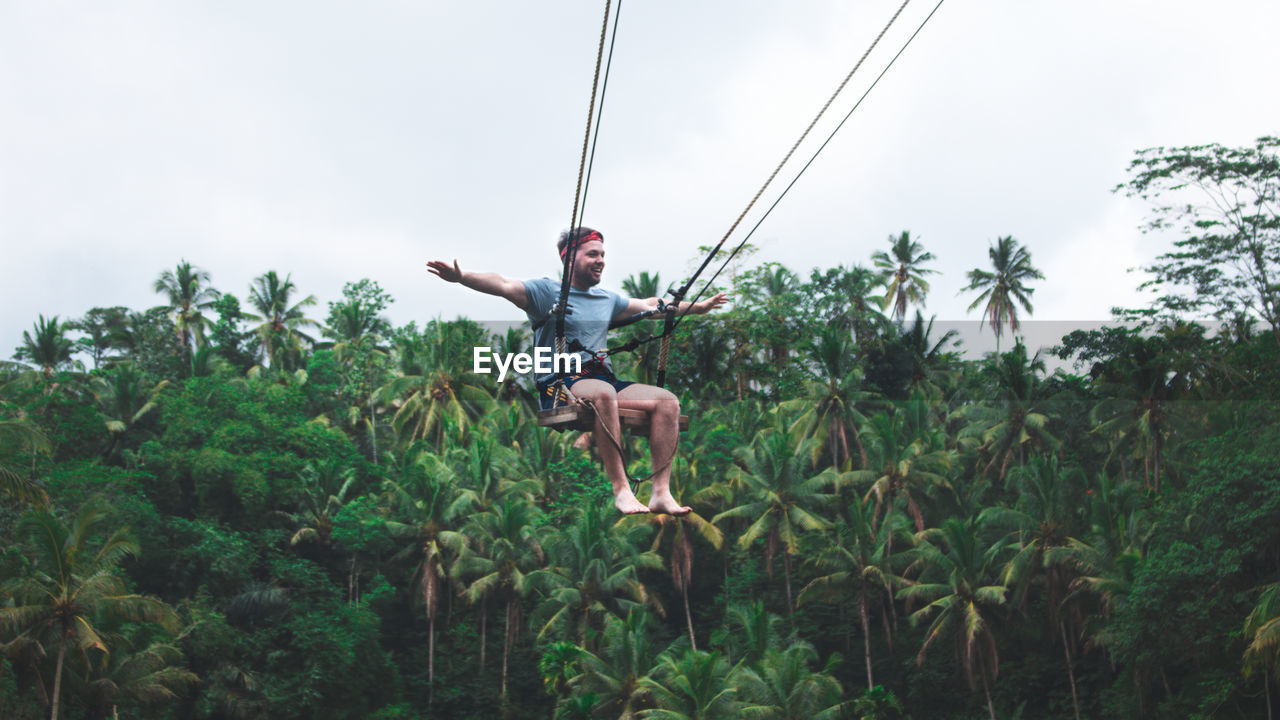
(593, 235)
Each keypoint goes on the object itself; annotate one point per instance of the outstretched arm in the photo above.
(487, 283)
(639, 305)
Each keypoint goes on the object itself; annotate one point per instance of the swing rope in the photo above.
(814, 157)
(579, 196)
(670, 327)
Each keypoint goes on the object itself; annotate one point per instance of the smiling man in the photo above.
(590, 310)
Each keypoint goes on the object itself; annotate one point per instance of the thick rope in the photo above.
(814, 156)
(572, 250)
(679, 294)
(792, 151)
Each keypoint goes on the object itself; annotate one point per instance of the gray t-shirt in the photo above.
(588, 320)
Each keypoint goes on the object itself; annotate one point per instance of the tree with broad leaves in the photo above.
(1225, 204)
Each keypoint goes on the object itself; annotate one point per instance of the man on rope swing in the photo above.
(590, 309)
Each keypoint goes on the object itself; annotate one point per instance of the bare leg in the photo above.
(664, 438)
(605, 400)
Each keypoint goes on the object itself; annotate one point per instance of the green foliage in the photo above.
(364, 529)
(1223, 201)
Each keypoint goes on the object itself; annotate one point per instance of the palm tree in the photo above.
(616, 676)
(1262, 630)
(929, 371)
(961, 598)
(784, 499)
(20, 436)
(49, 348)
(1140, 387)
(435, 384)
(787, 688)
(693, 685)
(282, 319)
(907, 457)
(188, 295)
(424, 499)
(1014, 413)
(1106, 562)
(325, 485)
(1039, 527)
(73, 586)
(504, 561)
(829, 413)
(1004, 289)
(681, 531)
(479, 471)
(856, 565)
(643, 285)
(151, 675)
(596, 573)
(749, 632)
(902, 274)
(124, 400)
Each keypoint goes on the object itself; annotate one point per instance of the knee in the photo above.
(605, 401)
(669, 403)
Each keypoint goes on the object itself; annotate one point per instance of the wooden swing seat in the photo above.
(580, 417)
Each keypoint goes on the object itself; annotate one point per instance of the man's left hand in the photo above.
(711, 303)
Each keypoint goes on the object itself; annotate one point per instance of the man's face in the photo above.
(588, 264)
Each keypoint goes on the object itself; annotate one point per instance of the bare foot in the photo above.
(664, 503)
(627, 503)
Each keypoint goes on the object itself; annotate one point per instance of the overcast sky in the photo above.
(338, 141)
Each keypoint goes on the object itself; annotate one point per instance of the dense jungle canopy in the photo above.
(236, 506)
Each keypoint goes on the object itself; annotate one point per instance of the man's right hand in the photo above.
(445, 271)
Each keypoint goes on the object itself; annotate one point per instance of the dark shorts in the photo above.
(591, 371)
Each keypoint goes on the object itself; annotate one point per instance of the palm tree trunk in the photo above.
(57, 676)
(484, 619)
(786, 571)
(688, 619)
(1071, 673)
(1157, 458)
(351, 582)
(986, 689)
(431, 660)
(915, 513)
(885, 620)
(1266, 691)
(506, 648)
(866, 638)
(373, 429)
